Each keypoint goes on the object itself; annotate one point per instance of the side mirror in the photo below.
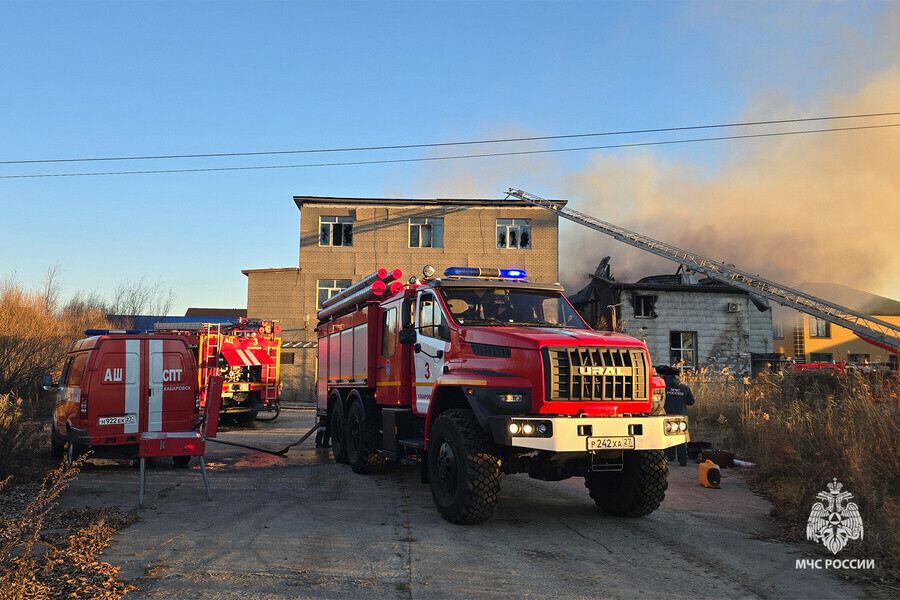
(443, 331)
(47, 382)
(407, 336)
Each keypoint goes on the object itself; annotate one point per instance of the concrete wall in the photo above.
(724, 339)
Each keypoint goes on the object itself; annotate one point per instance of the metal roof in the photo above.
(412, 202)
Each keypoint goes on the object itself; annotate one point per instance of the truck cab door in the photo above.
(429, 351)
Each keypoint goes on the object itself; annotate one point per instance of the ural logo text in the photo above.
(604, 370)
(832, 522)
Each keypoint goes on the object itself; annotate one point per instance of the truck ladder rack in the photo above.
(867, 327)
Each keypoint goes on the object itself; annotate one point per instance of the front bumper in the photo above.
(574, 434)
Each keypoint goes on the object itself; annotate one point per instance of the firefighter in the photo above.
(678, 398)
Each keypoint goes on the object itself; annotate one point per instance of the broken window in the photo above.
(683, 349)
(643, 306)
(335, 231)
(426, 233)
(514, 233)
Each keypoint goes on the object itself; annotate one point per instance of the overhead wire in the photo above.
(458, 157)
(463, 143)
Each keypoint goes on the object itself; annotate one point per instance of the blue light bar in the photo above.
(476, 272)
(93, 332)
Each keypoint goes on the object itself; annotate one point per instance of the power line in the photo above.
(458, 157)
(445, 144)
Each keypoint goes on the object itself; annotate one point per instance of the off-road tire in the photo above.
(636, 490)
(181, 462)
(363, 439)
(338, 427)
(57, 444)
(463, 468)
(245, 418)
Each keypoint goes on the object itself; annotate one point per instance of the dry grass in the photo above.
(803, 430)
(35, 566)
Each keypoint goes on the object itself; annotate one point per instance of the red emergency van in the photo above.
(117, 384)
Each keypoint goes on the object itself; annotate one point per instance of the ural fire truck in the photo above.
(246, 354)
(482, 373)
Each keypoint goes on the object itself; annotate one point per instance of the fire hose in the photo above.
(281, 452)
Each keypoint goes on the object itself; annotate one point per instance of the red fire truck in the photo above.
(481, 373)
(246, 353)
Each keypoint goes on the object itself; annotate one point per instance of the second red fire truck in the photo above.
(481, 373)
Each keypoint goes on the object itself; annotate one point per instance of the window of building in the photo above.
(326, 288)
(819, 328)
(777, 330)
(426, 233)
(335, 231)
(643, 306)
(287, 358)
(514, 233)
(430, 316)
(389, 332)
(860, 359)
(820, 357)
(683, 348)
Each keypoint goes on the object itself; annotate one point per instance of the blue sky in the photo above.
(85, 79)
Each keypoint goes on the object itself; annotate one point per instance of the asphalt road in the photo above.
(302, 526)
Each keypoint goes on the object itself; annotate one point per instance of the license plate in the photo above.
(610, 443)
(126, 420)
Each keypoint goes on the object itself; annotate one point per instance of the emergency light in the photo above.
(477, 272)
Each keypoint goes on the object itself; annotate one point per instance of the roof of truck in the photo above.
(494, 283)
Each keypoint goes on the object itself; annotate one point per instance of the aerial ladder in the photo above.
(875, 331)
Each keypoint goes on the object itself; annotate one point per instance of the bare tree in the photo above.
(140, 297)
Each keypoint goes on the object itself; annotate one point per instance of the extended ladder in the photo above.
(867, 327)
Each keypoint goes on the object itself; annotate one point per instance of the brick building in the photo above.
(343, 240)
(683, 320)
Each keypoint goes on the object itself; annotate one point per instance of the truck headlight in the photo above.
(510, 398)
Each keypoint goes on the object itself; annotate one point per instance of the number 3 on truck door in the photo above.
(430, 358)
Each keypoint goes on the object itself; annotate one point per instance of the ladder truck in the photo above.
(481, 373)
(878, 332)
(246, 354)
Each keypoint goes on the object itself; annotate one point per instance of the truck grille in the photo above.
(598, 374)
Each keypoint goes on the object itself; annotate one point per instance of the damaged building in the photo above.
(684, 320)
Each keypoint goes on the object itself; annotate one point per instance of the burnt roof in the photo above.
(483, 202)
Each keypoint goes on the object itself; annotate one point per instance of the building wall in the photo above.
(840, 344)
(723, 339)
(381, 239)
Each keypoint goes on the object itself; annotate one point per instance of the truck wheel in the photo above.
(636, 490)
(362, 440)
(463, 468)
(338, 431)
(57, 444)
(245, 418)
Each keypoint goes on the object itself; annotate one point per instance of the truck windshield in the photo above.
(504, 306)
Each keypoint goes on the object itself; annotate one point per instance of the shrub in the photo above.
(804, 429)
